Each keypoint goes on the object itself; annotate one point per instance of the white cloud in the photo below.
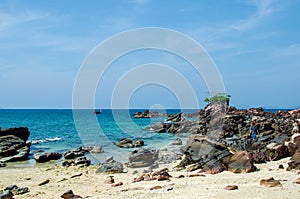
(264, 8)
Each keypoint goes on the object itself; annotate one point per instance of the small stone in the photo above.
(297, 181)
(117, 184)
(270, 182)
(156, 187)
(44, 182)
(231, 187)
(280, 166)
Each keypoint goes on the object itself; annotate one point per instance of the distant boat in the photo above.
(97, 111)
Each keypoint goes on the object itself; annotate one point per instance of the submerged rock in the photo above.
(129, 143)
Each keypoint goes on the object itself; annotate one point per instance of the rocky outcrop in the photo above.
(110, 166)
(142, 157)
(129, 143)
(81, 151)
(46, 157)
(13, 146)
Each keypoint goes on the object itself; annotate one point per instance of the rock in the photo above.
(81, 151)
(277, 152)
(142, 157)
(178, 141)
(13, 148)
(21, 132)
(15, 190)
(6, 195)
(44, 182)
(82, 161)
(231, 187)
(129, 143)
(96, 149)
(240, 162)
(70, 195)
(110, 159)
(280, 166)
(46, 157)
(270, 182)
(115, 167)
(297, 181)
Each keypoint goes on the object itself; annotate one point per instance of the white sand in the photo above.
(91, 185)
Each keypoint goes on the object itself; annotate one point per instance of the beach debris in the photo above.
(280, 166)
(6, 195)
(64, 179)
(270, 182)
(111, 180)
(156, 187)
(129, 143)
(15, 190)
(142, 157)
(46, 157)
(44, 182)
(231, 187)
(70, 195)
(297, 181)
(76, 175)
(117, 184)
(170, 189)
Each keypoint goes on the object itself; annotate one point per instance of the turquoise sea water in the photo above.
(56, 130)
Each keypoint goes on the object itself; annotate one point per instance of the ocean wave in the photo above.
(39, 141)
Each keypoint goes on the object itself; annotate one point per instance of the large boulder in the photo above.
(110, 166)
(46, 157)
(13, 146)
(142, 157)
(21, 132)
(129, 143)
(241, 161)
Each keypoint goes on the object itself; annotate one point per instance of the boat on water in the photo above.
(97, 111)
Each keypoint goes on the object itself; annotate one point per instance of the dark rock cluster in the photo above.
(220, 139)
(13, 146)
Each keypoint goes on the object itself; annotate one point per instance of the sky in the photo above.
(255, 46)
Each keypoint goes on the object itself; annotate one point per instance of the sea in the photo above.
(62, 130)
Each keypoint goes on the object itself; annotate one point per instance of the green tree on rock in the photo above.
(219, 97)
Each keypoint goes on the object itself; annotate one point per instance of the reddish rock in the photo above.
(231, 187)
(240, 162)
(270, 182)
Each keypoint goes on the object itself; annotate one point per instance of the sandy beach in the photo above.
(86, 183)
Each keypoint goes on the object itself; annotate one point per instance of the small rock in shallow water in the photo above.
(271, 182)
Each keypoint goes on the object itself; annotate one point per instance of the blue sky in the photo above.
(254, 44)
